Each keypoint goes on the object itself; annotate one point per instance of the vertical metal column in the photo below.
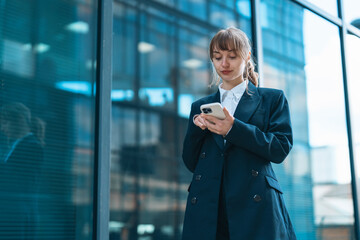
(257, 37)
(103, 120)
(355, 181)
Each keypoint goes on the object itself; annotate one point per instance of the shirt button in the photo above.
(254, 173)
(198, 177)
(203, 155)
(193, 200)
(257, 198)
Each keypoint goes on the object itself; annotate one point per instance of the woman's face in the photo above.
(230, 67)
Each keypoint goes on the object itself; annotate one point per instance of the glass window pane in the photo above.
(156, 51)
(243, 7)
(302, 57)
(222, 16)
(196, 8)
(194, 77)
(124, 45)
(47, 107)
(352, 12)
(327, 5)
(148, 180)
(353, 76)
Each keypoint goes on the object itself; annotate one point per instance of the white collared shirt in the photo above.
(231, 98)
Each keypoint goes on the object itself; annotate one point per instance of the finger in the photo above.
(200, 125)
(226, 112)
(201, 120)
(209, 123)
(211, 119)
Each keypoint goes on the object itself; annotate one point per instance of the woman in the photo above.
(234, 193)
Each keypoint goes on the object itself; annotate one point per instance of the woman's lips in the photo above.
(226, 72)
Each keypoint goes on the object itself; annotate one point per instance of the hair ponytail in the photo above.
(250, 74)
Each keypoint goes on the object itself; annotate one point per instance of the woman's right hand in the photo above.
(200, 121)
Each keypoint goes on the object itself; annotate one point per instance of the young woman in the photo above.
(234, 193)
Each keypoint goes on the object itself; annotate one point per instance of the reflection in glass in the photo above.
(147, 180)
(47, 107)
(124, 61)
(156, 51)
(302, 57)
(194, 78)
(196, 8)
(222, 16)
(351, 12)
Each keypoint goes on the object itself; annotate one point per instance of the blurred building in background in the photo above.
(51, 61)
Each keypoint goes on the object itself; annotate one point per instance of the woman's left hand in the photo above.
(219, 126)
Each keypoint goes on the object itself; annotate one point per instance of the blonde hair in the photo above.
(234, 39)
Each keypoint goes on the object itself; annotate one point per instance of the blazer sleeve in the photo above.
(193, 140)
(274, 144)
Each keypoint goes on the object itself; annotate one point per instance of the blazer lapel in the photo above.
(247, 105)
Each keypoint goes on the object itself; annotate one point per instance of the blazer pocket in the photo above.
(273, 183)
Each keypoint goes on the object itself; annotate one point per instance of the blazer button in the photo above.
(198, 177)
(254, 173)
(193, 200)
(203, 155)
(257, 198)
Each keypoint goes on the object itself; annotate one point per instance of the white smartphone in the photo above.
(213, 109)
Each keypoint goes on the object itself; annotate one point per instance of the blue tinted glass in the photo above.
(222, 16)
(196, 8)
(156, 50)
(124, 61)
(194, 77)
(302, 57)
(47, 107)
(148, 181)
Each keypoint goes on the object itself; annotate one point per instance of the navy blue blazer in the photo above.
(255, 207)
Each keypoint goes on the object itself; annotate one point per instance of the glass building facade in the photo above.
(94, 104)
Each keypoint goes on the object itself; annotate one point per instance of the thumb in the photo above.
(227, 114)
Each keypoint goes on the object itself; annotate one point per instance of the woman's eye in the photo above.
(232, 57)
(218, 58)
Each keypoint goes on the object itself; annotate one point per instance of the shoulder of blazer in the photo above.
(270, 92)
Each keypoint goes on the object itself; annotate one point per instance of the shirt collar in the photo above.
(237, 91)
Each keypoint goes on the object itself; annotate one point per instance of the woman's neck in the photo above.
(228, 85)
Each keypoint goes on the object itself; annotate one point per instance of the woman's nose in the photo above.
(224, 62)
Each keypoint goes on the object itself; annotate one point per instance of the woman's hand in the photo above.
(216, 125)
(200, 121)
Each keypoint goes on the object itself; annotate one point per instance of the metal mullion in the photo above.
(257, 37)
(103, 120)
(319, 11)
(355, 181)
